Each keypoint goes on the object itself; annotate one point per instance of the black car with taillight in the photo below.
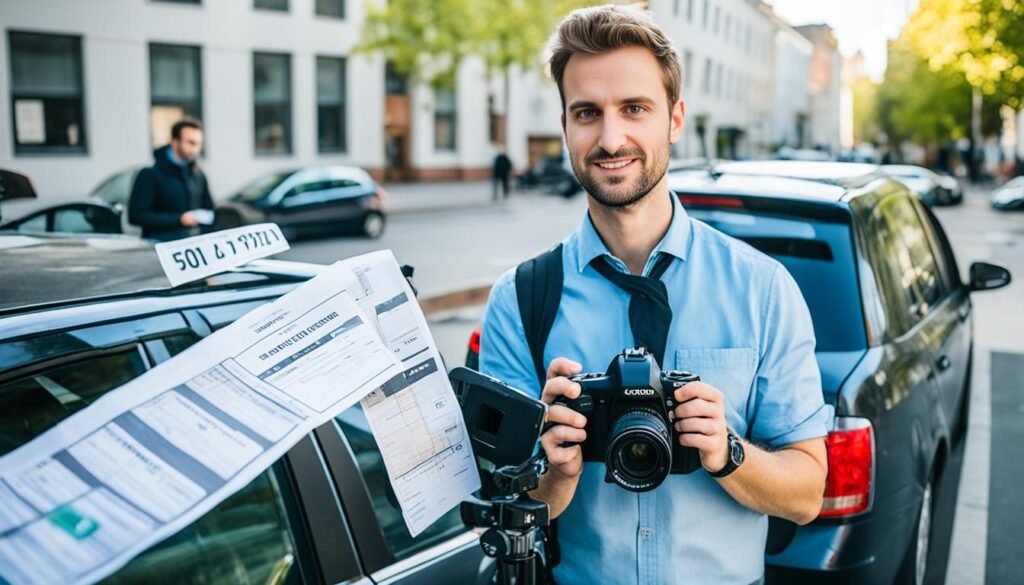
(893, 323)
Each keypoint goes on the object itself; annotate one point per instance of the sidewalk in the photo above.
(418, 197)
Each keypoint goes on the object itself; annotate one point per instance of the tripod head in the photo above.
(513, 521)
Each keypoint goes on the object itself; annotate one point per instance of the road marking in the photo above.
(970, 526)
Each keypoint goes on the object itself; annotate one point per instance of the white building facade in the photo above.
(727, 49)
(90, 86)
(791, 100)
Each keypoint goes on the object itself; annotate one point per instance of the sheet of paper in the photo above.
(194, 258)
(415, 417)
(151, 457)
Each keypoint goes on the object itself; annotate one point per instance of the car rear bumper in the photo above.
(866, 550)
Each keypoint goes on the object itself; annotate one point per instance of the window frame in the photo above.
(452, 116)
(287, 7)
(340, 3)
(154, 102)
(342, 106)
(289, 109)
(18, 149)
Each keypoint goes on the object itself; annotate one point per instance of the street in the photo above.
(459, 247)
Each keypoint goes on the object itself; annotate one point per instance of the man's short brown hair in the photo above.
(182, 124)
(604, 29)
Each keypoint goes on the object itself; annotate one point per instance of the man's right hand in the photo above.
(567, 424)
(188, 219)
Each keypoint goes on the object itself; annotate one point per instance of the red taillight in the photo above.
(474, 341)
(851, 463)
(705, 201)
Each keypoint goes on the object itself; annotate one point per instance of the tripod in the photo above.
(513, 521)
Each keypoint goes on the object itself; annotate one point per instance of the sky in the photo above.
(864, 25)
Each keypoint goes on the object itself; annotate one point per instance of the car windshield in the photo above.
(820, 257)
(262, 186)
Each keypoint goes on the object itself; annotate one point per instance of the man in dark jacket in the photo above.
(502, 170)
(171, 199)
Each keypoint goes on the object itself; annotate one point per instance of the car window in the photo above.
(820, 258)
(949, 268)
(36, 223)
(903, 260)
(385, 505)
(31, 404)
(117, 188)
(262, 186)
(245, 539)
(72, 221)
(179, 342)
(343, 183)
(309, 187)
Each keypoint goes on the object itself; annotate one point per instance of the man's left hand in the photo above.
(700, 420)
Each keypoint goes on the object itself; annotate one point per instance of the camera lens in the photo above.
(639, 454)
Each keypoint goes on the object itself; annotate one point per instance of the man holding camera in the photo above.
(731, 315)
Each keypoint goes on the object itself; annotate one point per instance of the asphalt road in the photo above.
(977, 537)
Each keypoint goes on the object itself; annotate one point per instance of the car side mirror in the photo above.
(985, 276)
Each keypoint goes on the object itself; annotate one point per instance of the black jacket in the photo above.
(162, 193)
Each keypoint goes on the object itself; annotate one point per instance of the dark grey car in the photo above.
(80, 317)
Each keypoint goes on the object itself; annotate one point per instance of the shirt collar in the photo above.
(174, 158)
(675, 242)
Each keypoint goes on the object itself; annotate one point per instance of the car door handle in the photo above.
(943, 363)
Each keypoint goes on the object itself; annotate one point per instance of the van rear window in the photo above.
(820, 257)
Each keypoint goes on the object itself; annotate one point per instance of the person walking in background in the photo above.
(502, 171)
(171, 199)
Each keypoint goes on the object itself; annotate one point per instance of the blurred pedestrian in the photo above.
(171, 199)
(502, 172)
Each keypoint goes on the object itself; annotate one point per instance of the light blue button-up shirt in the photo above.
(741, 323)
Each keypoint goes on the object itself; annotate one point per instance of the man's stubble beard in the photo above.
(651, 173)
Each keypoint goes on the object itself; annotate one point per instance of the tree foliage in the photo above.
(922, 105)
(981, 39)
(426, 40)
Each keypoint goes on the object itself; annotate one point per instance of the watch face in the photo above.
(736, 452)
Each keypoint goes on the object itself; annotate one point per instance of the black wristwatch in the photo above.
(736, 455)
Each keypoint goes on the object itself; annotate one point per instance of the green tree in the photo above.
(982, 39)
(915, 103)
(424, 40)
(865, 110)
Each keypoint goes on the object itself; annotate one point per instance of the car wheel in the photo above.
(915, 563)
(373, 224)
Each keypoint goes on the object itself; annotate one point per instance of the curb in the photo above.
(457, 299)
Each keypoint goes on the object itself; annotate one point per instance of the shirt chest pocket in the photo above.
(731, 370)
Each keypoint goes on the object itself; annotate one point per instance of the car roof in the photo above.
(824, 182)
(42, 271)
(908, 169)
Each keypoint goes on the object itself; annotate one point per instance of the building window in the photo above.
(335, 8)
(444, 119)
(394, 84)
(704, 19)
(180, 1)
(718, 81)
(281, 5)
(689, 10)
(706, 82)
(728, 25)
(272, 103)
(687, 65)
(718, 14)
(675, 7)
(46, 93)
(175, 88)
(330, 104)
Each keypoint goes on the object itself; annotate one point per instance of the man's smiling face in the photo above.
(617, 123)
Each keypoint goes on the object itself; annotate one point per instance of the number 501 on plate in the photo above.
(194, 258)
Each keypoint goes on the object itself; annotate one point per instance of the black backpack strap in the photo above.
(539, 292)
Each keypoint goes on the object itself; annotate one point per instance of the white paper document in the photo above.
(152, 456)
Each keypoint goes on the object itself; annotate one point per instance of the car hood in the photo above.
(835, 367)
(1006, 195)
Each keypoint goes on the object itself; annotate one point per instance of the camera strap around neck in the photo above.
(650, 315)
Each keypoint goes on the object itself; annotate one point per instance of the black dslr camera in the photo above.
(629, 421)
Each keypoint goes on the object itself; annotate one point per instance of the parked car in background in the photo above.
(951, 184)
(1010, 195)
(893, 322)
(82, 316)
(313, 201)
(116, 190)
(932, 188)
